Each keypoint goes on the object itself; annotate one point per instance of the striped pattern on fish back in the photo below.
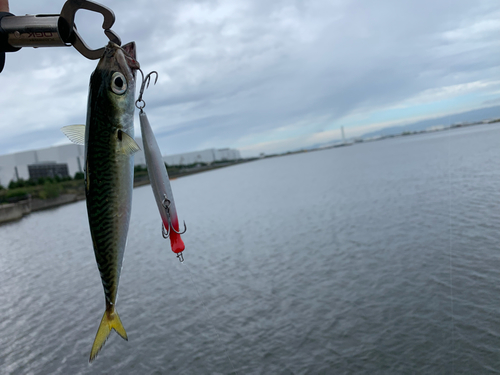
(109, 194)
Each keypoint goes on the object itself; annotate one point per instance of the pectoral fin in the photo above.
(75, 133)
(129, 145)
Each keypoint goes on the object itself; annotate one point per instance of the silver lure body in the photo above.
(157, 172)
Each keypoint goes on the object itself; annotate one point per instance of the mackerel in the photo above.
(109, 167)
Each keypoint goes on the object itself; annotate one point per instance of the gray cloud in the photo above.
(237, 72)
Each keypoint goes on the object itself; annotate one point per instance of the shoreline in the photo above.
(11, 212)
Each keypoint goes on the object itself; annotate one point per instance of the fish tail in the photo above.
(110, 320)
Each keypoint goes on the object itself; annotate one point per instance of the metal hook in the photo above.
(184, 231)
(140, 103)
(166, 204)
(166, 231)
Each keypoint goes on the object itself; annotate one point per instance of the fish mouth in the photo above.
(123, 59)
(130, 54)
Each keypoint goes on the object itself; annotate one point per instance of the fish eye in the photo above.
(118, 83)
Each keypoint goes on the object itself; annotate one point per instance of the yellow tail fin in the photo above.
(110, 320)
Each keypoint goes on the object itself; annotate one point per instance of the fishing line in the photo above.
(451, 257)
(226, 352)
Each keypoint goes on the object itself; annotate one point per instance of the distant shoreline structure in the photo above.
(431, 129)
(354, 140)
(15, 211)
(67, 160)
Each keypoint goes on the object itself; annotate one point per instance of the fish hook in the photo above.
(140, 103)
(184, 231)
(166, 231)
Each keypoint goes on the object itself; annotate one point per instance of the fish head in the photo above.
(119, 59)
(113, 80)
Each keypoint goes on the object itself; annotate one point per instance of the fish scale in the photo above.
(107, 229)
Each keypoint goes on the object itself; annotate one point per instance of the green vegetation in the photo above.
(43, 188)
(140, 171)
(184, 169)
(16, 194)
(141, 175)
(50, 190)
(47, 187)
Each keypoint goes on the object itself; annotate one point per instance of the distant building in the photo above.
(16, 166)
(69, 159)
(187, 158)
(435, 128)
(205, 156)
(52, 170)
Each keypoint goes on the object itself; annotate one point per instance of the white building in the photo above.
(204, 156)
(15, 166)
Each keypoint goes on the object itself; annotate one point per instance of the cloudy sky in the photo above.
(265, 76)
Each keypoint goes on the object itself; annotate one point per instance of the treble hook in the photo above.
(140, 103)
(184, 231)
(166, 231)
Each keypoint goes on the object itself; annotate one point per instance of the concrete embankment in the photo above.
(43, 204)
(15, 211)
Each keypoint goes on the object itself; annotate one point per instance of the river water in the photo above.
(381, 257)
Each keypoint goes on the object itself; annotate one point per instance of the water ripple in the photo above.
(379, 258)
